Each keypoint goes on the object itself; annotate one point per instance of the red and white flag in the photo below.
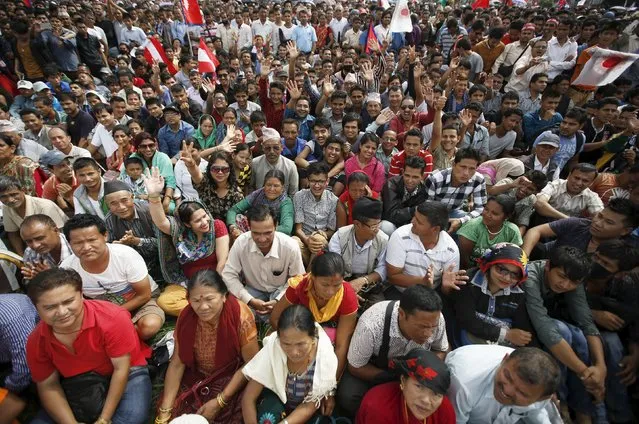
(384, 4)
(484, 4)
(604, 66)
(206, 61)
(192, 12)
(154, 52)
(401, 18)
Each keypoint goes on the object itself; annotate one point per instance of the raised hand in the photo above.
(465, 117)
(265, 68)
(292, 50)
(328, 87)
(453, 279)
(153, 181)
(186, 156)
(454, 63)
(367, 72)
(440, 104)
(384, 117)
(208, 85)
(293, 89)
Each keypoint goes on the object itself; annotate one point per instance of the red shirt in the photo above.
(385, 404)
(419, 120)
(349, 305)
(107, 332)
(50, 188)
(399, 160)
(274, 114)
(348, 202)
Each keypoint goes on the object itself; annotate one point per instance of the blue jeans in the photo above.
(617, 399)
(134, 403)
(265, 296)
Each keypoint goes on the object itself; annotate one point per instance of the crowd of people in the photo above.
(341, 221)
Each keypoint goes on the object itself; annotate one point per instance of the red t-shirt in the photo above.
(349, 305)
(210, 262)
(385, 404)
(107, 332)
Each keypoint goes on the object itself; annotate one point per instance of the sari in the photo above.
(324, 36)
(24, 169)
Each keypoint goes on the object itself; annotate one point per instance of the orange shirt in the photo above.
(579, 66)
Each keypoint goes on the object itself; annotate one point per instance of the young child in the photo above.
(133, 167)
(254, 138)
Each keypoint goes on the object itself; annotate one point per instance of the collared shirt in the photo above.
(31, 149)
(261, 166)
(141, 226)
(527, 104)
(439, 187)
(103, 140)
(42, 137)
(576, 205)
(183, 179)
(385, 160)
(304, 37)
(315, 214)
(360, 256)
(18, 318)
(471, 389)
(247, 265)
(398, 162)
(170, 142)
(446, 40)
(33, 206)
(31, 256)
(264, 29)
(135, 34)
(80, 126)
(558, 55)
(510, 54)
(367, 337)
(480, 140)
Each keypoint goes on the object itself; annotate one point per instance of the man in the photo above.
(79, 123)
(413, 142)
(156, 119)
(260, 263)
(89, 48)
(422, 253)
(474, 135)
(513, 51)
(60, 186)
(36, 130)
(571, 197)
(131, 35)
(448, 37)
(453, 186)
(387, 330)
(16, 206)
(503, 136)
(402, 194)
(559, 312)
(338, 24)
(171, 136)
(112, 272)
(304, 34)
(503, 385)
(61, 142)
(272, 159)
(545, 117)
(129, 223)
(263, 26)
(46, 247)
(490, 48)
(541, 159)
(464, 50)
(599, 129)
(102, 142)
(50, 116)
(190, 110)
(562, 51)
(530, 99)
(315, 208)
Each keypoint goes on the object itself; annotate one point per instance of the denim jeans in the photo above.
(265, 296)
(617, 399)
(134, 403)
(572, 390)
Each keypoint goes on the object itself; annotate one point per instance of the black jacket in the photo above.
(395, 210)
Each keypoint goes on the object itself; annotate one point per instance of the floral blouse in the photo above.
(218, 207)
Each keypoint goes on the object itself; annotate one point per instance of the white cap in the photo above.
(270, 134)
(39, 86)
(7, 126)
(374, 97)
(25, 84)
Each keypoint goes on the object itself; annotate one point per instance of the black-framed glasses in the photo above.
(507, 273)
(373, 227)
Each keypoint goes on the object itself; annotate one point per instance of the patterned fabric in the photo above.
(18, 318)
(315, 214)
(244, 177)
(217, 206)
(439, 187)
(31, 256)
(22, 168)
(298, 386)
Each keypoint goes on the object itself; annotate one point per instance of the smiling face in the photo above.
(512, 390)
(263, 233)
(121, 204)
(62, 308)
(12, 198)
(200, 222)
(578, 181)
(367, 150)
(273, 188)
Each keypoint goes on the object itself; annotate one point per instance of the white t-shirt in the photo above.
(126, 267)
(103, 138)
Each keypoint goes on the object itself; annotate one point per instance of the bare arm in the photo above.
(397, 277)
(345, 328)
(54, 400)
(535, 234)
(542, 207)
(119, 380)
(154, 183)
(221, 252)
(142, 295)
(279, 307)
(16, 242)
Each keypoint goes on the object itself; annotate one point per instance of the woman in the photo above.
(135, 127)
(491, 308)
(205, 133)
(272, 195)
(121, 136)
(418, 397)
(497, 169)
(479, 234)
(356, 188)
(528, 65)
(219, 190)
(21, 167)
(324, 33)
(366, 161)
(146, 148)
(293, 376)
(189, 241)
(242, 160)
(212, 315)
(229, 122)
(85, 356)
(332, 301)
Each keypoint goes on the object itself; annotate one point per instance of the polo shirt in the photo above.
(34, 206)
(585, 203)
(304, 37)
(80, 126)
(405, 250)
(107, 332)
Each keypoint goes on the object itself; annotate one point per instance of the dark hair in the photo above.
(117, 99)
(327, 265)
(232, 180)
(578, 114)
(317, 168)
(510, 95)
(207, 278)
(517, 25)
(414, 132)
(477, 87)
(52, 279)
(289, 121)
(299, 318)
(496, 33)
(467, 153)
(259, 213)
(537, 368)
(435, 212)
(129, 160)
(627, 209)
(339, 95)
(538, 178)
(39, 218)
(275, 173)
(550, 93)
(81, 221)
(620, 250)
(475, 106)
(100, 107)
(574, 262)
(177, 88)
(139, 138)
(86, 163)
(186, 210)
(352, 117)
(358, 177)
(122, 128)
(322, 123)
(608, 101)
(26, 111)
(44, 100)
(586, 168)
(257, 116)
(9, 183)
(415, 162)
(510, 112)
(506, 202)
(420, 298)
(536, 76)
(369, 137)
(153, 101)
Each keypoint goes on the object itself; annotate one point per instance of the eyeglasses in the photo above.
(515, 276)
(146, 146)
(373, 227)
(317, 182)
(411, 107)
(220, 169)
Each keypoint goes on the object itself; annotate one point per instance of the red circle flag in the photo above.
(611, 62)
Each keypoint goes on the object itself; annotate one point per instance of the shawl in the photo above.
(497, 169)
(269, 369)
(227, 333)
(303, 284)
(258, 197)
(205, 141)
(181, 247)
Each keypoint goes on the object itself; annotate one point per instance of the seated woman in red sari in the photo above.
(212, 316)
(357, 186)
(419, 397)
(332, 301)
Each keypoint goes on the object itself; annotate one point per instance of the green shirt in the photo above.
(475, 231)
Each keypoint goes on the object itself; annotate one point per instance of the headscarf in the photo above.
(205, 141)
(303, 284)
(258, 197)
(505, 253)
(425, 367)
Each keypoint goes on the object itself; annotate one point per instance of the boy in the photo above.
(474, 135)
(254, 138)
(335, 112)
(102, 144)
(412, 147)
(299, 108)
(545, 117)
(271, 99)
(133, 168)
(244, 107)
(291, 143)
(503, 136)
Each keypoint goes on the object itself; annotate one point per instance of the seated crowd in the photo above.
(429, 227)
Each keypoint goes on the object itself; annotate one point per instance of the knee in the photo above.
(148, 326)
(387, 227)
(612, 344)
(564, 331)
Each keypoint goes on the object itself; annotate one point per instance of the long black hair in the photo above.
(299, 318)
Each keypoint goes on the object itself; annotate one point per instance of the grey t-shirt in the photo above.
(497, 145)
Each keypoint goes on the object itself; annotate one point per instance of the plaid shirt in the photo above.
(439, 187)
(31, 256)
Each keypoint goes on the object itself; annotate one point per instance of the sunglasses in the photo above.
(408, 107)
(220, 169)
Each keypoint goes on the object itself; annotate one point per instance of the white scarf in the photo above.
(269, 368)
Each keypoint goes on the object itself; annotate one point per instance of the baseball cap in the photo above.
(7, 126)
(172, 109)
(28, 85)
(53, 158)
(39, 86)
(549, 139)
(270, 134)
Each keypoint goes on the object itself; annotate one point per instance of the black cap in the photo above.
(425, 367)
(368, 208)
(115, 186)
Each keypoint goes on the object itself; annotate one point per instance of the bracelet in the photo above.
(155, 200)
(162, 421)
(221, 401)
(155, 196)
(165, 410)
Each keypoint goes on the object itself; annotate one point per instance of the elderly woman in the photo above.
(418, 397)
(293, 376)
(189, 241)
(491, 307)
(212, 315)
(20, 167)
(332, 301)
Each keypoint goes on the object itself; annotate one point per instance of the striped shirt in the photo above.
(298, 386)
(141, 226)
(406, 251)
(439, 187)
(18, 317)
(398, 162)
(31, 256)
(315, 214)
(367, 338)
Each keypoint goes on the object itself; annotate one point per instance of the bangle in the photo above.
(155, 200)
(221, 401)
(162, 420)
(101, 420)
(165, 410)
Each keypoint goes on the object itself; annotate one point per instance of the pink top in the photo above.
(375, 171)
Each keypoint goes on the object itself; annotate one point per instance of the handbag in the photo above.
(506, 71)
(86, 394)
(189, 401)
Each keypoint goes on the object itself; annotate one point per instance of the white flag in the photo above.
(384, 4)
(604, 67)
(401, 18)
